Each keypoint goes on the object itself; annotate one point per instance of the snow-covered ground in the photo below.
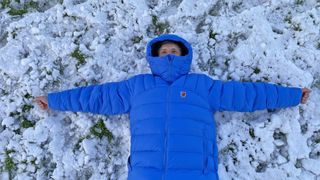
(61, 44)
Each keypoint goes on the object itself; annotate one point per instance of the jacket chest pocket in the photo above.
(205, 152)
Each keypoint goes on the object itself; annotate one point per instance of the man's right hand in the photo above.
(42, 102)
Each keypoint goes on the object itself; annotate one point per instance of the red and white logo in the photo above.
(183, 94)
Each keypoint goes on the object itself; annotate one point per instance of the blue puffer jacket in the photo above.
(173, 133)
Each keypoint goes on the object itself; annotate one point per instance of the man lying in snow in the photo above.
(173, 133)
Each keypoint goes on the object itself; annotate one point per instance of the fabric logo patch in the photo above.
(183, 94)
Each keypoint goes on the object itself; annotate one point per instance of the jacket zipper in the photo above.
(170, 64)
(166, 136)
(166, 126)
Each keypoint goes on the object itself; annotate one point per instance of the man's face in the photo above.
(169, 48)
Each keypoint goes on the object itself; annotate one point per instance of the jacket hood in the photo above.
(169, 67)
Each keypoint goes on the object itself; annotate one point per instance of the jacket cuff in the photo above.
(296, 96)
(53, 100)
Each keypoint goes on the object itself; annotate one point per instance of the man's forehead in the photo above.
(169, 44)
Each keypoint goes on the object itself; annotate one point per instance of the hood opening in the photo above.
(169, 68)
(156, 46)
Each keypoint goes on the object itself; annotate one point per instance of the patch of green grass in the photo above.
(31, 4)
(297, 27)
(212, 34)
(136, 39)
(100, 130)
(300, 2)
(251, 132)
(17, 131)
(243, 142)
(15, 12)
(5, 3)
(26, 123)
(14, 34)
(256, 70)
(9, 165)
(26, 7)
(28, 96)
(8, 151)
(27, 107)
(79, 56)
(14, 113)
(33, 161)
(160, 27)
(288, 18)
(154, 20)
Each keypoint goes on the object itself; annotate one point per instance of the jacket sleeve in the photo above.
(251, 96)
(108, 98)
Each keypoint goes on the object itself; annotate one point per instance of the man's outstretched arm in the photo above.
(108, 98)
(252, 96)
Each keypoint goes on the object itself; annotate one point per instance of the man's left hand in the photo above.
(305, 95)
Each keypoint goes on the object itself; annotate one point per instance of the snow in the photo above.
(270, 41)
